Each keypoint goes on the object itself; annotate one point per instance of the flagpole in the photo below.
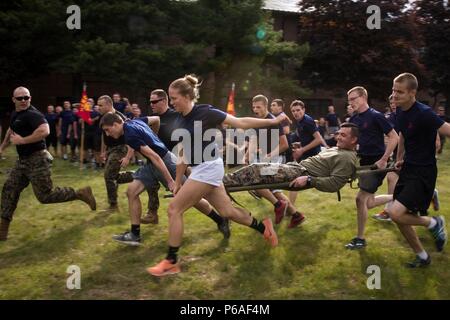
(82, 145)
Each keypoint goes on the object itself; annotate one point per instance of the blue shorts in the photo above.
(150, 176)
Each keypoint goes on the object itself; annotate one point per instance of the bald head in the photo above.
(21, 98)
(21, 91)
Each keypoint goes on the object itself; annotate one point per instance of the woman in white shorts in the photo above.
(205, 180)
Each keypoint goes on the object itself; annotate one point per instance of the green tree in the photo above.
(434, 18)
(345, 53)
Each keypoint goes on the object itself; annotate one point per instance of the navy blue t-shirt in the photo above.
(120, 106)
(419, 127)
(372, 127)
(137, 133)
(392, 118)
(201, 118)
(332, 119)
(52, 119)
(169, 121)
(305, 132)
(67, 119)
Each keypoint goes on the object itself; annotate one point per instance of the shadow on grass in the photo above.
(260, 270)
(33, 251)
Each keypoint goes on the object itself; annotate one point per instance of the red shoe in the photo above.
(296, 220)
(269, 233)
(280, 211)
(164, 268)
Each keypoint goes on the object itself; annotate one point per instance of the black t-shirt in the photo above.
(419, 127)
(196, 144)
(110, 142)
(24, 123)
(169, 121)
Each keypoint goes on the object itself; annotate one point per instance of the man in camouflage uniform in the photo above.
(328, 171)
(28, 129)
(114, 152)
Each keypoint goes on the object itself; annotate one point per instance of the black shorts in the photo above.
(415, 187)
(370, 182)
(51, 140)
(88, 140)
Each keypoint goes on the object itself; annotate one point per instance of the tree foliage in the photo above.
(142, 44)
(345, 52)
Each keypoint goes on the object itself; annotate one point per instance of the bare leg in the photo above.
(135, 188)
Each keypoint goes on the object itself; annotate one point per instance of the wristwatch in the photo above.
(308, 181)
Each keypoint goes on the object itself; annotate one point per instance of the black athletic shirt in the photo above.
(24, 123)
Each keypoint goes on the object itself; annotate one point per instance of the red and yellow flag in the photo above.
(230, 105)
(85, 108)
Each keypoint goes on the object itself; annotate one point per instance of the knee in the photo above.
(131, 193)
(395, 216)
(360, 200)
(173, 211)
(43, 197)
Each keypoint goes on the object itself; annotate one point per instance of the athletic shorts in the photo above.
(415, 187)
(150, 176)
(209, 172)
(370, 182)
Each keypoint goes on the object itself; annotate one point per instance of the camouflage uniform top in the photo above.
(331, 168)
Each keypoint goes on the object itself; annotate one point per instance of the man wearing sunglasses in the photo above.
(28, 130)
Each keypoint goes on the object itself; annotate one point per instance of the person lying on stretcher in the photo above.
(328, 171)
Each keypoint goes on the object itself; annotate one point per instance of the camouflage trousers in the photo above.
(264, 173)
(113, 176)
(35, 169)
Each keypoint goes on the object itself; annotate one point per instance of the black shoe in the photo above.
(439, 233)
(356, 243)
(224, 228)
(419, 263)
(128, 238)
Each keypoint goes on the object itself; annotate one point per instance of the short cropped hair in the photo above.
(109, 119)
(261, 98)
(297, 103)
(107, 99)
(361, 91)
(160, 93)
(353, 128)
(409, 79)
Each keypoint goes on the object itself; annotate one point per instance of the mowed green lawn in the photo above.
(309, 263)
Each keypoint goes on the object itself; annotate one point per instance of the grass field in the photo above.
(309, 263)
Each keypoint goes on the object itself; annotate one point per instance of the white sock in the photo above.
(432, 223)
(423, 255)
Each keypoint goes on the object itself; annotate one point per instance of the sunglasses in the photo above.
(26, 98)
(156, 101)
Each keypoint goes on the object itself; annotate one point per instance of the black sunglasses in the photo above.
(26, 98)
(156, 101)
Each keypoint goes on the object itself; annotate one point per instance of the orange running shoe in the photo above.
(164, 268)
(269, 233)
